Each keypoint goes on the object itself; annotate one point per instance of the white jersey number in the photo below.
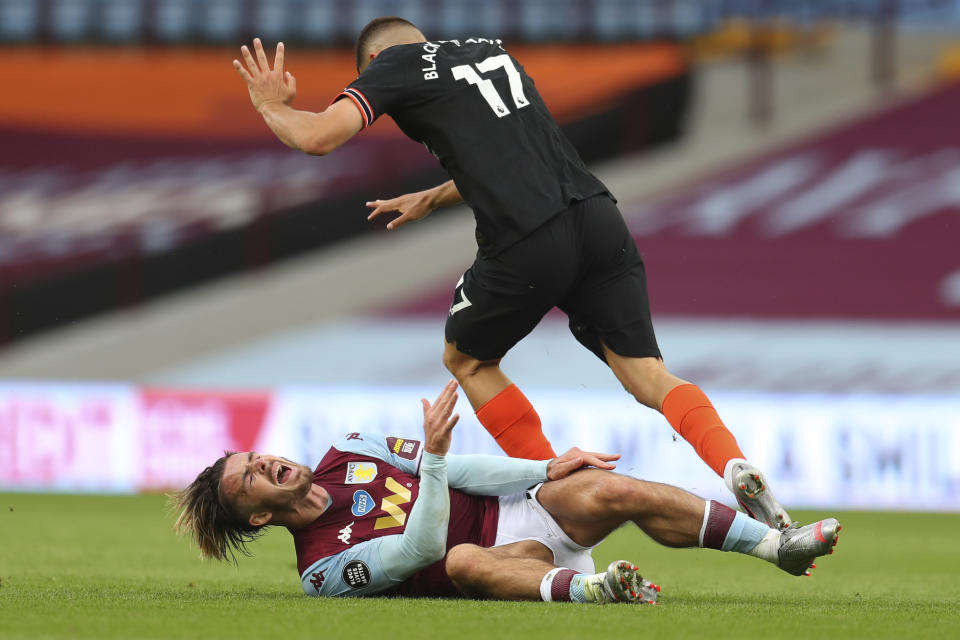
(487, 90)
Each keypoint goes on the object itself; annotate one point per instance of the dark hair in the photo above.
(212, 521)
(373, 28)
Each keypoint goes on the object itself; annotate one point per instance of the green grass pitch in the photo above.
(110, 567)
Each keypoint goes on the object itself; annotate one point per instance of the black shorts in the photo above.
(583, 261)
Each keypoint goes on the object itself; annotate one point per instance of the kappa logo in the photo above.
(345, 534)
(404, 448)
(391, 504)
(360, 472)
(317, 579)
(362, 503)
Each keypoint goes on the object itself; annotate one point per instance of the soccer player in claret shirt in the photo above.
(549, 233)
(401, 517)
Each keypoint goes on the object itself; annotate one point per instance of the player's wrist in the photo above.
(268, 107)
(548, 470)
(442, 195)
(433, 198)
(432, 458)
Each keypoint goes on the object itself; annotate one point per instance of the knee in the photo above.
(463, 561)
(460, 364)
(619, 497)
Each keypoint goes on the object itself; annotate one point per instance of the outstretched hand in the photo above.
(437, 420)
(412, 206)
(266, 85)
(566, 463)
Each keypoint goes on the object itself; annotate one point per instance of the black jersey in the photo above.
(479, 113)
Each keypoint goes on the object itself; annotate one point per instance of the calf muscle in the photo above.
(508, 572)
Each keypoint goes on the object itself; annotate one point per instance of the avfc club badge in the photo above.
(362, 503)
(356, 574)
(360, 472)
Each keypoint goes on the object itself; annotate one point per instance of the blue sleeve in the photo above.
(494, 475)
(402, 453)
(424, 540)
(355, 572)
(476, 474)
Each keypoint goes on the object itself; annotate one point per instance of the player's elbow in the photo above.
(429, 551)
(318, 145)
(439, 552)
(319, 139)
(433, 552)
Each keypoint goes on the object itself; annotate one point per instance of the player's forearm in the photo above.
(494, 475)
(445, 194)
(301, 130)
(424, 540)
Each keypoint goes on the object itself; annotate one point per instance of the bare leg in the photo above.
(646, 379)
(481, 380)
(690, 412)
(500, 406)
(590, 504)
(508, 572)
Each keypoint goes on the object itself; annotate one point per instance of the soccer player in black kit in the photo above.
(548, 232)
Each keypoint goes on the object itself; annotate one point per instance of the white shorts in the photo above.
(522, 517)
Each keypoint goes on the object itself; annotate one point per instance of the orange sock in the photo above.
(515, 425)
(690, 413)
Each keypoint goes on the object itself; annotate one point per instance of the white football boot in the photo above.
(753, 494)
(621, 582)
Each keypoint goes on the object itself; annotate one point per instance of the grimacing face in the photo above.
(256, 483)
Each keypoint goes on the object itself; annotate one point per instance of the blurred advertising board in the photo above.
(818, 450)
(118, 438)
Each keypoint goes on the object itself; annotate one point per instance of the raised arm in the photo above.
(424, 540)
(414, 206)
(271, 92)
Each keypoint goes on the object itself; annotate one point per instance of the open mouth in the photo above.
(283, 473)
